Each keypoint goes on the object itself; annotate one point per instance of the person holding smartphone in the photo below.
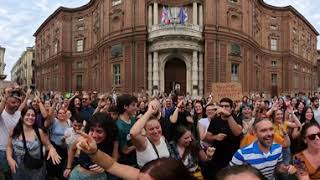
(224, 134)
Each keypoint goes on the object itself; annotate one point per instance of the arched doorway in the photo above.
(175, 76)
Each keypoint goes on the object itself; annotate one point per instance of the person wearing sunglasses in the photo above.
(308, 161)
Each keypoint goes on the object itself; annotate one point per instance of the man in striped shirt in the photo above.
(262, 154)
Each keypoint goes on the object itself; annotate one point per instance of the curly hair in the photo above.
(104, 121)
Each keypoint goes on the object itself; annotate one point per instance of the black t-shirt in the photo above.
(182, 118)
(226, 148)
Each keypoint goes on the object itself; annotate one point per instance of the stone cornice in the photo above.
(293, 10)
(64, 9)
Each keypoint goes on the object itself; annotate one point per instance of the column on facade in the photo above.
(150, 72)
(200, 15)
(201, 74)
(195, 73)
(150, 15)
(155, 14)
(156, 71)
(195, 13)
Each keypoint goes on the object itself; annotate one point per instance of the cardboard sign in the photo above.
(229, 90)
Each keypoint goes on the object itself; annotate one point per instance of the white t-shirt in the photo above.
(316, 113)
(7, 122)
(71, 136)
(204, 122)
(149, 153)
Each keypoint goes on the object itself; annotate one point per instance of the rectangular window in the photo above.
(296, 85)
(79, 47)
(116, 74)
(274, 44)
(55, 47)
(79, 64)
(79, 82)
(296, 48)
(274, 63)
(47, 53)
(234, 72)
(274, 78)
(116, 2)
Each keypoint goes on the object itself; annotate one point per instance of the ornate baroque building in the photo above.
(22, 71)
(159, 45)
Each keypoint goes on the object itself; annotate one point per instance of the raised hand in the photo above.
(86, 143)
(154, 106)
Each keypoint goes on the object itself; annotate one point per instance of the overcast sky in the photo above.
(19, 19)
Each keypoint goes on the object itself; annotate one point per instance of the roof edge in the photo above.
(63, 9)
(292, 9)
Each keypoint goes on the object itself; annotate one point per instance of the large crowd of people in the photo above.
(100, 136)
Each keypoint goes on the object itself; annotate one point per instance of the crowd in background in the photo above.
(91, 135)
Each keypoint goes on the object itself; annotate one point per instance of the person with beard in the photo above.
(263, 154)
(86, 110)
(224, 134)
(10, 110)
(315, 108)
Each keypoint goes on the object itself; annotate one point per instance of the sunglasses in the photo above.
(312, 137)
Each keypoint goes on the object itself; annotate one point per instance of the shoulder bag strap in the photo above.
(39, 137)
(24, 142)
(154, 148)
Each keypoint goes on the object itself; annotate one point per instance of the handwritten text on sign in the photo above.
(229, 90)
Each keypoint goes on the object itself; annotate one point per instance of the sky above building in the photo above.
(20, 19)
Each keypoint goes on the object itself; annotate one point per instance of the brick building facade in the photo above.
(159, 45)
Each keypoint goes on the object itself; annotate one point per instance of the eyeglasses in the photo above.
(312, 137)
(224, 106)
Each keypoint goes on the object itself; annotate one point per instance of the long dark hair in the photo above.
(202, 115)
(194, 146)
(106, 122)
(17, 131)
(72, 108)
(167, 169)
(303, 114)
(302, 145)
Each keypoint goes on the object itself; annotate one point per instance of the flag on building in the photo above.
(183, 16)
(165, 16)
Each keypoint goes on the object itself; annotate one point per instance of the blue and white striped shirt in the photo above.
(252, 155)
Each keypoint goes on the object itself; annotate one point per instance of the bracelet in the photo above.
(95, 152)
(68, 168)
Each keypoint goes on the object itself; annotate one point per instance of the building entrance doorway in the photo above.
(175, 76)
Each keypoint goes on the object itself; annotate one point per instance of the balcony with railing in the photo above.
(161, 31)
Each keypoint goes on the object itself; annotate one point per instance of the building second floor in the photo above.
(23, 70)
